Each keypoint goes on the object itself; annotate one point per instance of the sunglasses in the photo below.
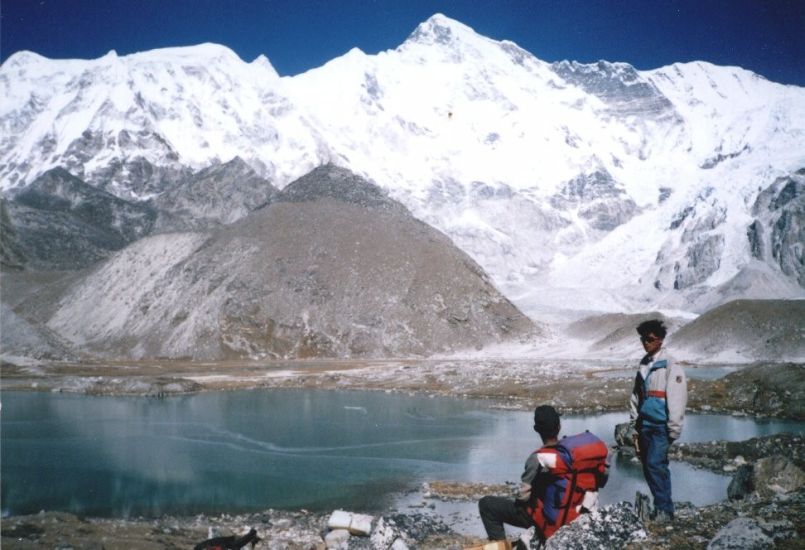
(648, 339)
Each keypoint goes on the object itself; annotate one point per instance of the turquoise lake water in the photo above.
(250, 450)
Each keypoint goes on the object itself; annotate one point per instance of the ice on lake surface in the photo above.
(250, 450)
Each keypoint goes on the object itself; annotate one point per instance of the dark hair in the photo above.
(546, 422)
(654, 326)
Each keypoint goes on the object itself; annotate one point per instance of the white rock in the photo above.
(361, 525)
(399, 544)
(339, 519)
(383, 534)
(739, 460)
(338, 539)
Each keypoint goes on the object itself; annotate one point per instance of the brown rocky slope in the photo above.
(332, 268)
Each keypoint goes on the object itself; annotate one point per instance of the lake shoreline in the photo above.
(765, 390)
(758, 390)
(780, 517)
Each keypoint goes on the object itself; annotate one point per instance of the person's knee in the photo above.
(657, 470)
(485, 504)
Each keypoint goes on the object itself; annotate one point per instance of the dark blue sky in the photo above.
(765, 36)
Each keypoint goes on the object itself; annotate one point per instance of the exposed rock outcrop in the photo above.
(622, 89)
(60, 222)
(217, 195)
(598, 199)
(726, 456)
(778, 230)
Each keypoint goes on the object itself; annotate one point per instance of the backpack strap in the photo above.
(570, 490)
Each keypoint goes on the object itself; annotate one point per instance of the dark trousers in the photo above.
(654, 456)
(495, 511)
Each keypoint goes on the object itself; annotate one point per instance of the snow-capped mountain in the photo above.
(576, 187)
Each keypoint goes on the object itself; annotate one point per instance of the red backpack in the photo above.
(581, 466)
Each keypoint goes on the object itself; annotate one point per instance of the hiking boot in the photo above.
(527, 541)
(662, 517)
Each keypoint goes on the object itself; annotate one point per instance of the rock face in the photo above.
(620, 87)
(597, 198)
(778, 231)
(332, 268)
(59, 222)
(218, 195)
(12, 256)
(775, 475)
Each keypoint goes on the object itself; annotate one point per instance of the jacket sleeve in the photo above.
(633, 403)
(532, 468)
(676, 395)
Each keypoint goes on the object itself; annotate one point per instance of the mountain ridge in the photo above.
(493, 154)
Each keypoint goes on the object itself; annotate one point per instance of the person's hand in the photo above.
(636, 443)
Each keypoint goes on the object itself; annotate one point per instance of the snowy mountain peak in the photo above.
(262, 63)
(23, 58)
(549, 175)
(206, 51)
(439, 32)
(439, 29)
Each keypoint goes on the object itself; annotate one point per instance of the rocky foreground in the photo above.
(755, 521)
(765, 508)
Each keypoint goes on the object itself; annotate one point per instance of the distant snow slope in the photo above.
(576, 187)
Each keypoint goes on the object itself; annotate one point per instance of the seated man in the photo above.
(560, 481)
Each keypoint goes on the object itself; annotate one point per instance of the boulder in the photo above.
(613, 526)
(623, 435)
(776, 475)
(384, 534)
(741, 534)
(361, 525)
(388, 535)
(742, 483)
(337, 539)
(339, 519)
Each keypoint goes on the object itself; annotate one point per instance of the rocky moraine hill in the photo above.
(328, 267)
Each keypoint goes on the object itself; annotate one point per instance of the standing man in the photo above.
(657, 411)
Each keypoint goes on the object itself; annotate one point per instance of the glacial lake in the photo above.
(250, 450)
